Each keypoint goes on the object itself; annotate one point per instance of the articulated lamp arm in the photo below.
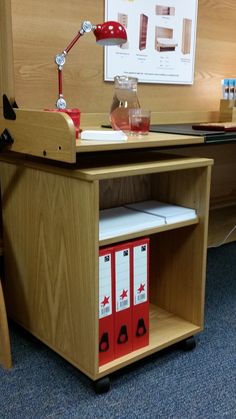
(60, 60)
(107, 33)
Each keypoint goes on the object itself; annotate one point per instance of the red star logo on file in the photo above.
(124, 294)
(105, 301)
(141, 288)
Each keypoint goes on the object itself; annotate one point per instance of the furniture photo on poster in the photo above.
(164, 40)
(143, 26)
(186, 36)
(123, 19)
(165, 10)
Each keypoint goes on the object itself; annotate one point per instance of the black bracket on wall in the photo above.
(8, 108)
(8, 113)
(5, 139)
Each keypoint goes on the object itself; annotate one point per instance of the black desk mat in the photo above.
(186, 129)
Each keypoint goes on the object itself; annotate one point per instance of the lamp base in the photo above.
(75, 116)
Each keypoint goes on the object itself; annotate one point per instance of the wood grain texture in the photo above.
(223, 185)
(227, 110)
(89, 120)
(6, 51)
(153, 139)
(148, 232)
(165, 329)
(223, 189)
(51, 240)
(222, 226)
(50, 287)
(43, 134)
(178, 260)
(35, 71)
(156, 165)
(123, 190)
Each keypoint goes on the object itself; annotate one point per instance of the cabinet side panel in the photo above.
(51, 239)
(178, 259)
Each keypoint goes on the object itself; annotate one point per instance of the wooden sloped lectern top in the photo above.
(49, 135)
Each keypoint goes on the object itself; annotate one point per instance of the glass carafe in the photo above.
(125, 97)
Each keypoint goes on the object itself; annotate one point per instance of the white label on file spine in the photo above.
(140, 274)
(122, 269)
(105, 286)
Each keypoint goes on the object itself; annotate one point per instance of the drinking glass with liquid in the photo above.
(139, 121)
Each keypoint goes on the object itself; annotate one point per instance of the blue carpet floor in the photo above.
(170, 384)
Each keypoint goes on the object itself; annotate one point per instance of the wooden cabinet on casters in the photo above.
(51, 234)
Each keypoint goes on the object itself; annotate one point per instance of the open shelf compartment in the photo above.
(177, 251)
(165, 329)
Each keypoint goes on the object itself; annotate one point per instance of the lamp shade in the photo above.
(110, 33)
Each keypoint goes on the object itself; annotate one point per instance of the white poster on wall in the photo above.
(161, 40)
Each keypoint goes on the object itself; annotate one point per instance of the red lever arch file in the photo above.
(140, 279)
(106, 311)
(123, 309)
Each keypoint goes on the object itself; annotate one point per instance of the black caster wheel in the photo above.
(189, 344)
(102, 385)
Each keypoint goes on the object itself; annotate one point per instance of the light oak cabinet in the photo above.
(51, 234)
(143, 31)
(165, 10)
(186, 36)
(123, 19)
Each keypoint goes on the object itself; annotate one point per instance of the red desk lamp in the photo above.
(107, 33)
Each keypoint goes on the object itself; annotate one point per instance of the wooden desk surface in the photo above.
(153, 139)
(51, 135)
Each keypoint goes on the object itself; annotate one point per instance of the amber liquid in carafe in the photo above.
(124, 98)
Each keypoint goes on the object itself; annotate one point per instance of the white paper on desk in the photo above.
(170, 213)
(100, 135)
(120, 220)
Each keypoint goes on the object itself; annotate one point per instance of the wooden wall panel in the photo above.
(41, 29)
(6, 53)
